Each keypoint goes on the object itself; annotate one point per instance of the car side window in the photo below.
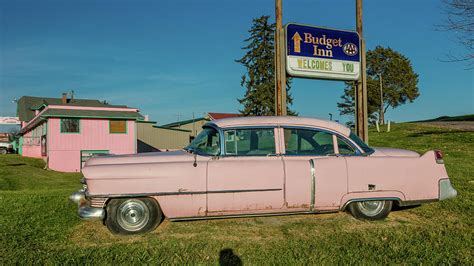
(344, 147)
(249, 142)
(206, 143)
(308, 142)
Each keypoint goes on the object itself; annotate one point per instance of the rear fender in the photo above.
(396, 196)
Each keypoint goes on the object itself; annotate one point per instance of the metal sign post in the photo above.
(321, 53)
(361, 88)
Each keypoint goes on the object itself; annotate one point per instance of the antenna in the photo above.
(178, 116)
(194, 126)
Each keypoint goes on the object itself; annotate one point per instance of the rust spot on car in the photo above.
(201, 212)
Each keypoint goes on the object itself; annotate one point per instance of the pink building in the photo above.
(66, 132)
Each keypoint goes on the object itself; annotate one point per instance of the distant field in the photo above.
(450, 118)
(39, 225)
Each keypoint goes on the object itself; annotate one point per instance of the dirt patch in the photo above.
(459, 125)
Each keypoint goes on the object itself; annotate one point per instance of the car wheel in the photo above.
(133, 215)
(370, 209)
(3, 151)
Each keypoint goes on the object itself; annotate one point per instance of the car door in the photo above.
(315, 174)
(249, 175)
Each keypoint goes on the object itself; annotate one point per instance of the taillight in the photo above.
(439, 156)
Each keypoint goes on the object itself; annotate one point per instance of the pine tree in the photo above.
(259, 81)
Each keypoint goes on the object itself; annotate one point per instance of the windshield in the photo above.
(361, 143)
(206, 143)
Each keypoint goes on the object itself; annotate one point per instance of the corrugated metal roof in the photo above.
(210, 116)
(184, 122)
(91, 114)
(172, 128)
(215, 116)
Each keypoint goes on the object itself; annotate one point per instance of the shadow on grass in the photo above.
(15, 164)
(227, 257)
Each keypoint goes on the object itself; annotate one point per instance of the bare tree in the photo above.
(460, 21)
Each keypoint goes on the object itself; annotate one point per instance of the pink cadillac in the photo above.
(259, 166)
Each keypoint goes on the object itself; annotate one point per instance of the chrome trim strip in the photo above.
(415, 202)
(180, 193)
(237, 127)
(226, 216)
(313, 184)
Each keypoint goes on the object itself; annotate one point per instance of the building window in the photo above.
(70, 125)
(118, 126)
(44, 146)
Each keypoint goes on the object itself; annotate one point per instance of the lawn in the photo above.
(38, 224)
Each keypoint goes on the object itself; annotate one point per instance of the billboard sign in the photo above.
(322, 53)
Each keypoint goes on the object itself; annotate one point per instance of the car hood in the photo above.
(149, 157)
(393, 152)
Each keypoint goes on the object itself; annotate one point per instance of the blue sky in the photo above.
(171, 58)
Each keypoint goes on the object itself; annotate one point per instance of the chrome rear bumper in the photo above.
(446, 190)
(85, 211)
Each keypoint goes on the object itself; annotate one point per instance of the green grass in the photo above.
(38, 224)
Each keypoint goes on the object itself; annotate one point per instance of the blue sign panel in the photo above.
(322, 53)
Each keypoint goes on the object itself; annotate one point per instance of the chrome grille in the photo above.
(97, 202)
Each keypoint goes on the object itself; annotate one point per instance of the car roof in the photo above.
(281, 121)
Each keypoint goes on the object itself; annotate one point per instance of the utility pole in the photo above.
(280, 70)
(381, 114)
(361, 88)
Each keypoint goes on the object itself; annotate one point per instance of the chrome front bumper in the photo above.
(85, 211)
(446, 190)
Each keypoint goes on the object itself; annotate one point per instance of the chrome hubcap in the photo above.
(133, 215)
(371, 208)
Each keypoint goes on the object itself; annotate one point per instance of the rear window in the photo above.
(361, 143)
